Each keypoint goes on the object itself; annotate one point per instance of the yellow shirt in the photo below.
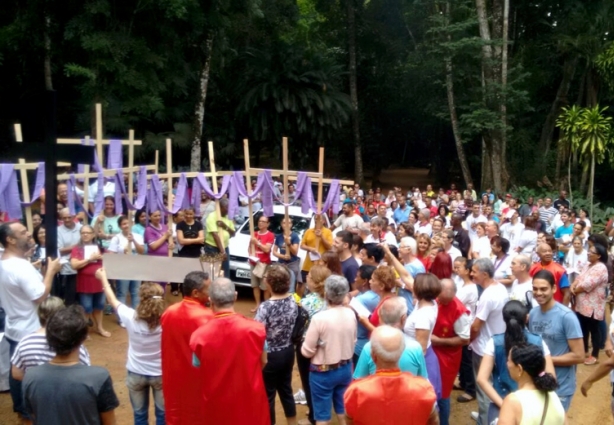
(211, 226)
(310, 240)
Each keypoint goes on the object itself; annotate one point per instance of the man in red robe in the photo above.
(451, 332)
(229, 352)
(180, 382)
(390, 397)
(562, 294)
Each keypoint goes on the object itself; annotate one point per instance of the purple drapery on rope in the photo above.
(332, 199)
(99, 198)
(9, 192)
(264, 186)
(115, 157)
(201, 184)
(182, 198)
(141, 189)
(73, 197)
(39, 185)
(304, 193)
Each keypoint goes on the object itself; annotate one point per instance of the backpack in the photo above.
(300, 324)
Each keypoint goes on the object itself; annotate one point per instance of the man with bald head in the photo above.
(393, 312)
(546, 256)
(390, 396)
(451, 332)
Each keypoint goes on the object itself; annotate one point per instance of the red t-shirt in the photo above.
(86, 277)
(266, 238)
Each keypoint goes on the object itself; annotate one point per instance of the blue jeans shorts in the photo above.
(327, 390)
(91, 302)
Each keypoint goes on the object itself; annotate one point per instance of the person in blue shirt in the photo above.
(560, 329)
(286, 251)
(565, 229)
(401, 213)
(369, 299)
(393, 312)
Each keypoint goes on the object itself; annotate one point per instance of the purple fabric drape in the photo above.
(39, 185)
(115, 157)
(304, 193)
(96, 166)
(99, 198)
(9, 192)
(182, 200)
(201, 184)
(332, 199)
(264, 187)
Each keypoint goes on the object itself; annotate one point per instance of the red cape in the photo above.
(180, 382)
(557, 270)
(229, 348)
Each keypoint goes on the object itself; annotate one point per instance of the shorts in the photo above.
(256, 282)
(566, 401)
(92, 301)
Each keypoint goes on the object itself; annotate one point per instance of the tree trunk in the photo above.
(199, 111)
(351, 17)
(569, 70)
(584, 179)
(487, 182)
(47, 61)
(569, 181)
(592, 183)
(504, 66)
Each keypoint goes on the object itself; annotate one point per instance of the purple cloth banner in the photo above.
(201, 184)
(182, 199)
(304, 193)
(99, 198)
(264, 186)
(9, 192)
(332, 199)
(39, 185)
(115, 159)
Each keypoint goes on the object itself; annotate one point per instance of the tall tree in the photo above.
(352, 71)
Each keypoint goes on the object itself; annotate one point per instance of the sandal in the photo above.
(590, 361)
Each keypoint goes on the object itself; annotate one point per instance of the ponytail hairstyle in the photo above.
(152, 304)
(531, 358)
(515, 316)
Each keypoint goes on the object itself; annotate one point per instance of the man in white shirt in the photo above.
(473, 219)
(512, 230)
(488, 321)
(523, 284)
(22, 288)
(68, 237)
(447, 236)
(348, 220)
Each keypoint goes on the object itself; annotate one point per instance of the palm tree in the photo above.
(569, 123)
(596, 136)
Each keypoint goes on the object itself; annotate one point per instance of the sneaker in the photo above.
(589, 361)
(299, 397)
(475, 416)
(108, 310)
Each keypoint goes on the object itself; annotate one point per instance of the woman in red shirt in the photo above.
(86, 258)
(424, 250)
(383, 281)
(260, 246)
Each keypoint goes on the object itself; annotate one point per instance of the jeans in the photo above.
(65, 287)
(444, 411)
(277, 376)
(91, 302)
(483, 400)
(15, 385)
(590, 326)
(302, 364)
(138, 388)
(125, 286)
(465, 374)
(327, 390)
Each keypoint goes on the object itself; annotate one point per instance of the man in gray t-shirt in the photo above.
(68, 237)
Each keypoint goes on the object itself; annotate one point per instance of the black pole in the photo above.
(51, 171)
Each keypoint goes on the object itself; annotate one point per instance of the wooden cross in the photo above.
(50, 152)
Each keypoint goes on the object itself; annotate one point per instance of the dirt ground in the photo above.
(111, 354)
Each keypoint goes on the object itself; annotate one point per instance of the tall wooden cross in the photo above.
(50, 152)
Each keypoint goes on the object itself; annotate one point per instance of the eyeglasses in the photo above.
(593, 252)
(87, 233)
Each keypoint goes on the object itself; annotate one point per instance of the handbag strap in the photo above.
(545, 409)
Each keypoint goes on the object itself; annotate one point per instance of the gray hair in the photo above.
(387, 343)
(193, 281)
(448, 284)
(335, 289)
(392, 310)
(222, 293)
(524, 260)
(494, 223)
(486, 266)
(365, 228)
(426, 213)
(410, 242)
(377, 221)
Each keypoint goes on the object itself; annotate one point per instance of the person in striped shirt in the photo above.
(33, 349)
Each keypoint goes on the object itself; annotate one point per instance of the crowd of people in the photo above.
(404, 299)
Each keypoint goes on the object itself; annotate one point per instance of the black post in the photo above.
(51, 171)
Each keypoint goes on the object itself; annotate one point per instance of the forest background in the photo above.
(502, 94)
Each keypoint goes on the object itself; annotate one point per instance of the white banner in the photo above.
(151, 268)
